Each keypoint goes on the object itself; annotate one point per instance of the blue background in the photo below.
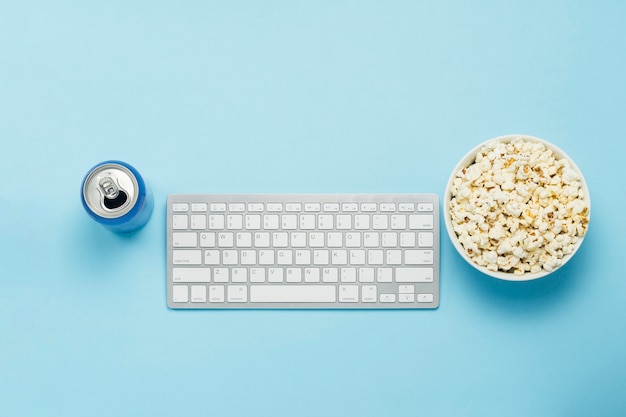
(310, 96)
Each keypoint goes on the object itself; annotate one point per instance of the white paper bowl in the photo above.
(466, 161)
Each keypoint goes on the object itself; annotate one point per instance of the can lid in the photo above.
(110, 190)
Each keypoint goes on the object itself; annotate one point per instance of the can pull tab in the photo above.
(108, 187)
(114, 198)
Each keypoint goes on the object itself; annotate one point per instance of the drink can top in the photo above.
(110, 190)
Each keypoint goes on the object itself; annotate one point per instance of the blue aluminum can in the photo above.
(115, 195)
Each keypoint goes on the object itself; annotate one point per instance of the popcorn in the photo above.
(518, 208)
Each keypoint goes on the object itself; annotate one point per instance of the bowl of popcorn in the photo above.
(516, 207)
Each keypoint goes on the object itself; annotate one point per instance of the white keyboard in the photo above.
(313, 251)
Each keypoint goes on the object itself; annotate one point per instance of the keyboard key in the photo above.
(212, 257)
(216, 221)
(357, 257)
(293, 207)
(234, 221)
(253, 222)
(180, 222)
(199, 207)
(369, 207)
(344, 222)
(266, 257)
(348, 274)
(257, 274)
(237, 207)
(280, 239)
(198, 294)
(218, 207)
(348, 293)
(362, 221)
(221, 275)
(371, 239)
(353, 239)
(325, 221)
(179, 207)
(425, 207)
(384, 275)
(230, 257)
(387, 207)
(312, 207)
(425, 239)
(191, 274)
(339, 257)
(425, 298)
(289, 222)
(376, 257)
(316, 240)
(226, 239)
(271, 222)
(180, 294)
(186, 257)
(418, 257)
(380, 221)
(216, 293)
(421, 221)
(307, 221)
(262, 240)
(284, 257)
(303, 257)
(198, 222)
(366, 274)
(239, 275)
(414, 274)
(294, 275)
(394, 257)
(406, 298)
(255, 207)
(407, 240)
(237, 294)
(292, 294)
(330, 275)
(335, 240)
(248, 257)
(274, 207)
(389, 239)
(311, 275)
(321, 257)
(398, 221)
(406, 289)
(369, 293)
(275, 275)
(387, 298)
(350, 207)
(244, 240)
(331, 207)
(184, 240)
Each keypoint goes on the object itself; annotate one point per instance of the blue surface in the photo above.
(300, 97)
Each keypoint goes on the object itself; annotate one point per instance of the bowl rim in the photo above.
(467, 160)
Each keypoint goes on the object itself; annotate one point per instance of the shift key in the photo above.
(414, 274)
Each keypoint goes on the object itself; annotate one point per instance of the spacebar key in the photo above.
(293, 294)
